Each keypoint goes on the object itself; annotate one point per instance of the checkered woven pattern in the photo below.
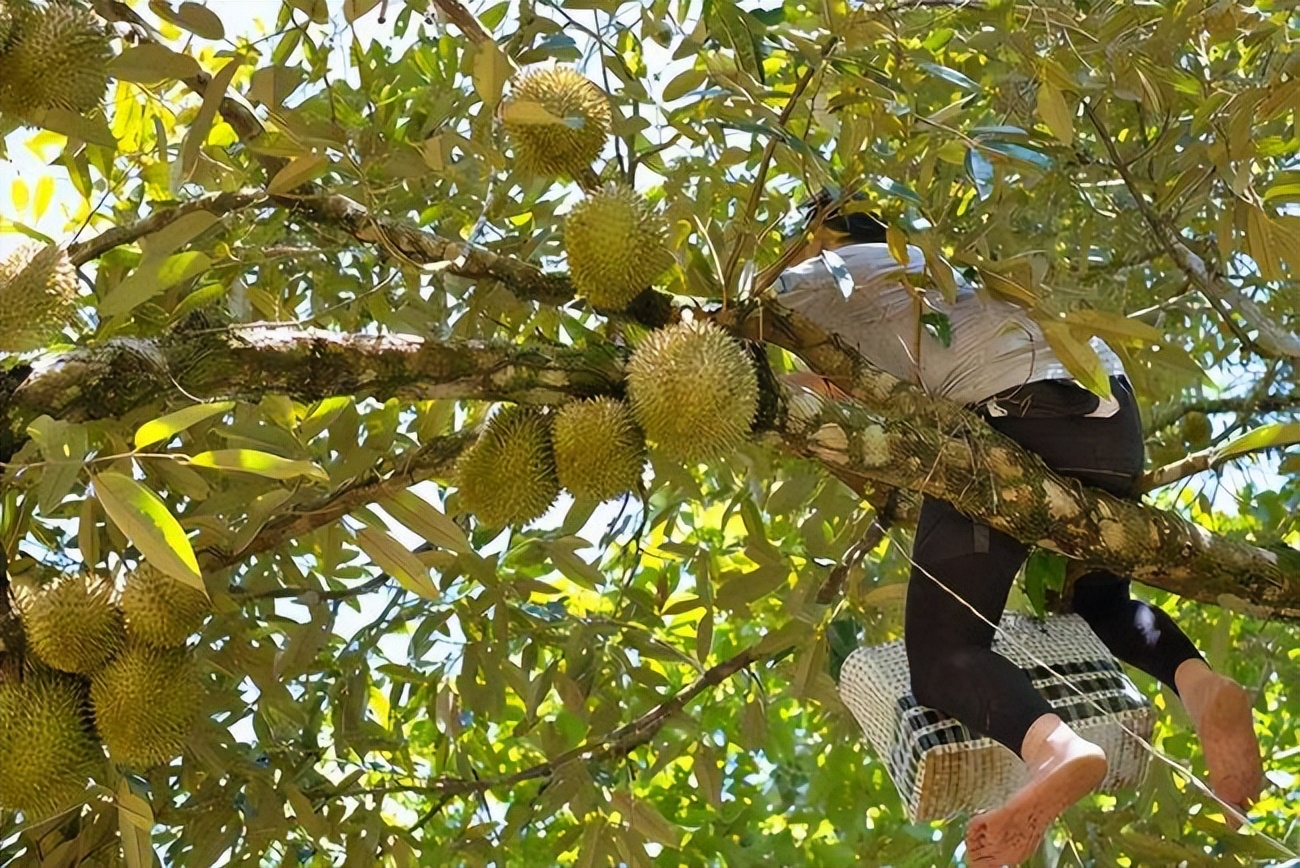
(942, 769)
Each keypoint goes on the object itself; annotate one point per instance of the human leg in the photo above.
(958, 589)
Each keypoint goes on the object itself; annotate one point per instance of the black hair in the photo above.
(861, 226)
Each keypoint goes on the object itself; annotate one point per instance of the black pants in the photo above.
(948, 645)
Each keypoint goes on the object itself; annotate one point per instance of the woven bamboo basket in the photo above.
(942, 769)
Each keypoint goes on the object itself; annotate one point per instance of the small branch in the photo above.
(214, 203)
(834, 584)
(1197, 462)
(1263, 405)
(297, 593)
(433, 459)
(618, 743)
(457, 13)
(756, 187)
(1272, 340)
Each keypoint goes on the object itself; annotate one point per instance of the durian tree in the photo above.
(396, 466)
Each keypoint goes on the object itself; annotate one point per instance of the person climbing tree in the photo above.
(989, 355)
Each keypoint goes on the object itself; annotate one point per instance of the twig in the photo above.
(215, 203)
(756, 188)
(460, 15)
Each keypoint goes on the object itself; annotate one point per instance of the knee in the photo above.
(1100, 595)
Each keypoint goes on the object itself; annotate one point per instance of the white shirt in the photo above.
(994, 345)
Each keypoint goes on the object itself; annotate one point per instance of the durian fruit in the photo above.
(6, 24)
(146, 702)
(693, 390)
(47, 749)
(1196, 430)
(38, 296)
(599, 451)
(559, 120)
(160, 610)
(508, 476)
(72, 623)
(617, 246)
(57, 57)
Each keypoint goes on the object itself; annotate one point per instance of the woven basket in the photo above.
(942, 769)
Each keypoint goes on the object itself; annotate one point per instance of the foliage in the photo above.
(646, 682)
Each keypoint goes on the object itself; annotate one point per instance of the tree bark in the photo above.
(894, 434)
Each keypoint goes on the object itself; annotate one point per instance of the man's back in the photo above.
(994, 345)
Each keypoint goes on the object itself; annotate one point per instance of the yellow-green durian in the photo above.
(160, 610)
(146, 702)
(38, 296)
(47, 749)
(693, 391)
(72, 623)
(508, 476)
(617, 246)
(57, 57)
(599, 451)
(558, 120)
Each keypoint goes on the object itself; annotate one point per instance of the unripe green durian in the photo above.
(558, 119)
(1197, 430)
(617, 246)
(599, 451)
(160, 610)
(693, 390)
(72, 623)
(38, 296)
(6, 25)
(57, 57)
(47, 749)
(146, 702)
(508, 476)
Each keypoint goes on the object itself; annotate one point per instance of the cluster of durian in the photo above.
(53, 54)
(38, 296)
(106, 670)
(617, 244)
(692, 391)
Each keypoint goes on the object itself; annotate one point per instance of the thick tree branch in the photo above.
(900, 436)
(123, 375)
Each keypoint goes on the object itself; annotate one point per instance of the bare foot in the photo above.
(1220, 709)
(1063, 769)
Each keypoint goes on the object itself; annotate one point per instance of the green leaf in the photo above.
(135, 824)
(1114, 328)
(491, 70)
(300, 170)
(198, 132)
(354, 9)
(151, 63)
(147, 523)
(259, 463)
(1078, 356)
(951, 76)
(151, 277)
(194, 17)
(683, 83)
(398, 561)
(429, 522)
(575, 568)
(165, 427)
(1271, 436)
(1056, 112)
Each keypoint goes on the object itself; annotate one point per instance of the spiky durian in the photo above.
(57, 57)
(6, 24)
(146, 702)
(617, 246)
(1197, 430)
(508, 476)
(47, 750)
(693, 390)
(599, 451)
(559, 120)
(72, 623)
(160, 610)
(38, 296)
